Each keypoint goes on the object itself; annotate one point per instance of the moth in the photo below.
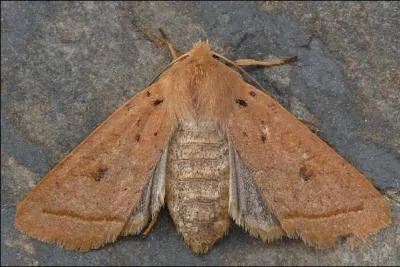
(212, 147)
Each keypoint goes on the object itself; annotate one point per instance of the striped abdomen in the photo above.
(197, 184)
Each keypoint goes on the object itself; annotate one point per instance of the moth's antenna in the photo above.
(240, 69)
(162, 42)
(251, 62)
(174, 52)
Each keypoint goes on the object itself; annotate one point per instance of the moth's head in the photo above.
(201, 50)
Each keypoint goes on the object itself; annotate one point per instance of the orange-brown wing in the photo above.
(314, 193)
(106, 182)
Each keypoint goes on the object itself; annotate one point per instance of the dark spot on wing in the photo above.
(252, 93)
(241, 102)
(137, 138)
(138, 122)
(304, 174)
(100, 174)
(155, 134)
(263, 138)
(245, 134)
(157, 102)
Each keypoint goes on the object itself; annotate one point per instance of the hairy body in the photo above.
(197, 183)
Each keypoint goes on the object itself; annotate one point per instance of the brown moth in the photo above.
(211, 147)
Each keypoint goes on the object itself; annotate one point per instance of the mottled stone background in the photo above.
(65, 66)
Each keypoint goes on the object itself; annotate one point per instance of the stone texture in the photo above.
(67, 65)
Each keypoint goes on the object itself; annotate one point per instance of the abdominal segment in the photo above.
(197, 183)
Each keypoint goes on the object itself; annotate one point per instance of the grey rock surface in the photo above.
(65, 66)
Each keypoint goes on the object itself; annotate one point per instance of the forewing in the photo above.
(86, 200)
(314, 193)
